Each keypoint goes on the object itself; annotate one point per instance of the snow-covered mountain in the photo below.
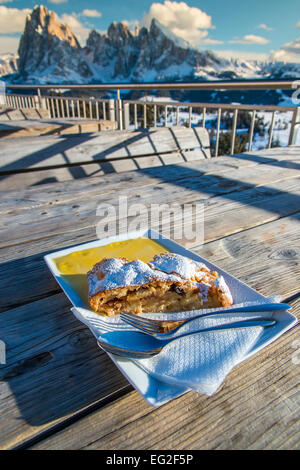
(8, 64)
(49, 52)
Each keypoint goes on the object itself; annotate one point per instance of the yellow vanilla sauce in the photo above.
(74, 267)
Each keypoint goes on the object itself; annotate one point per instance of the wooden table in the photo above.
(58, 390)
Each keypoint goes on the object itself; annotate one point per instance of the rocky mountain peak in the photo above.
(118, 32)
(50, 53)
(43, 22)
(49, 45)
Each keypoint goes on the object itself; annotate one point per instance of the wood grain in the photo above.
(103, 184)
(77, 172)
(256, 408)
(53, 151)
(54, 369)
(64, 191)
(47, 326)
(222, 217)
(270, 199)
(32, 128)
(56, 375)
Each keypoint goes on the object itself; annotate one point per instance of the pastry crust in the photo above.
(169, 282)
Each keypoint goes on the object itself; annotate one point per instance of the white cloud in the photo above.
(91, 13)
(6, 1)
(9, 44)
(243, 55)
(211, 41)
(80, 31)
(298, 24)
(250, 39)
(189, 23)
(289, 52)
(265, 27)
(12, 20)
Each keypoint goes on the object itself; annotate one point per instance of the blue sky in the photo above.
(246, 29)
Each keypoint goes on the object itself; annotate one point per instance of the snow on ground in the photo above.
(281, 130)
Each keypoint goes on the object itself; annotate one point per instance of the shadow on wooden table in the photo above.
(54, 367)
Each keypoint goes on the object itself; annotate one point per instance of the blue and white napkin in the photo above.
(200, 361)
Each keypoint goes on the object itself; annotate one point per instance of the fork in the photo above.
(151, 346)
(164, 327)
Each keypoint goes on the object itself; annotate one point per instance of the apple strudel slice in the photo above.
(168, 283)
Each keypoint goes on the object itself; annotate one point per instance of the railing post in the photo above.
(190, 116)
(126, 115)
(135, 116)
(271, 130)
(218, 132)
(251, 130)
(119, 111)
(145, 116)
(3, 95)
(36, 102)
(111, 110)
(294, 126)
(235, 114)
(41, 102)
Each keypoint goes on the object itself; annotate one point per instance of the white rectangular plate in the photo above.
(154, 391)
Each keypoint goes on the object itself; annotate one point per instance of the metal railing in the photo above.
(65, 107)
(135, 114)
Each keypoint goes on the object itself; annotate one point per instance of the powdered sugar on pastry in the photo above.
(118, 272)
(169, 282)
(222, 286)
(180, 265)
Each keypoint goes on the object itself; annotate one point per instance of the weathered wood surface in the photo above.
(115, 182)
(31, 128)
(264, 203)
(78, 172)
(256, 408)
(61, 350)
(55, 151)
(63, 191)
(55, 372)
(12, 114)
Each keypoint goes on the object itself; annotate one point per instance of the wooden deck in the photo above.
(58, 390)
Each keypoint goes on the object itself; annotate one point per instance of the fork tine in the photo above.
(137, 318)
(107, 325)
(147, 329)
(140, 321)
(144, 326)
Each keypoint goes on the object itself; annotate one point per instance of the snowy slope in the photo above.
(50, 53)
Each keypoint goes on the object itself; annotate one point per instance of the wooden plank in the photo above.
(280, 153)
(48, 352)
(55, 194)
(42, 152)
(53, 175)
(31, 128)
(24, 113)
(59, 215)
(47, 345)
(33, 197)
(24, 263)
(267, 256)
(257, 407)
(244, 204)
